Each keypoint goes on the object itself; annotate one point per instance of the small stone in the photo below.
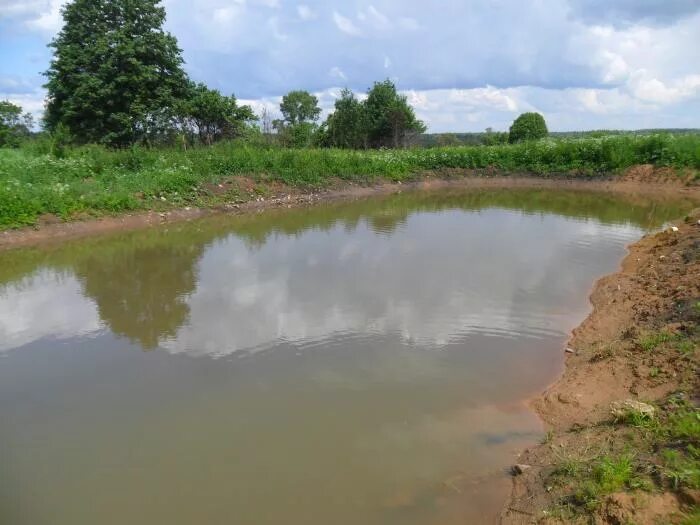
(628, 407)
(674, 228)
(570, 350)
(566, 399)
(518, 469)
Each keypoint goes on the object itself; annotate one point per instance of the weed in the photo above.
(692, 517)
(684, 424)
(653, 340)
(594, 480)
(686, 346)
(681, 470)
(548, 437)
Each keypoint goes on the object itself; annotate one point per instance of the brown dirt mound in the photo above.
(649, 174)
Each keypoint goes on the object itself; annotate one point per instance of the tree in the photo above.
(13, 124)
(447, 139)
(492, 138)
(528, 126)
(346, 127)
(298, 107)
(300, 112)
(390, 119)
(211, 115)
(115, 73)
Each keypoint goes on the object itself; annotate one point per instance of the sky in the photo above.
(464, 65)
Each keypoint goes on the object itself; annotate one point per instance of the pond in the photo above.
(364, 362)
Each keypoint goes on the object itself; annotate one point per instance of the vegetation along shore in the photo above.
(92, 180)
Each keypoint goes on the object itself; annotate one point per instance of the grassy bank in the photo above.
(94, 180)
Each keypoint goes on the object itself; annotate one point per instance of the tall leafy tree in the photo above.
(390, 118)
(383, 119)
(115, 73)
(211, 115)
(298, 107)
(346, 127)
(298, 126)
(13, 123)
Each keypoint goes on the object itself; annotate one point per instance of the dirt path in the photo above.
(51, 229)
(641, 343)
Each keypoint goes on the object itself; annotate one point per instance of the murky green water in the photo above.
(357, 363)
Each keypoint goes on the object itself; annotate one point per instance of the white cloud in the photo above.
(306, 13)
(267, 302)
(346, 25)
(649, 89)
(49, 21)
(378, 18)
(44, 305)
(336, 72)
(42, 16)
(30, 102)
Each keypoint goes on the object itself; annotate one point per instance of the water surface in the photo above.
(361, 362)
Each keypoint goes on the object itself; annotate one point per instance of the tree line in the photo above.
(383, 119)
(116, 78)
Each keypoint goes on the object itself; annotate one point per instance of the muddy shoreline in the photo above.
(604, 364)
(51, 230)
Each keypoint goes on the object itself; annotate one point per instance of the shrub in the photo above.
(528, 126)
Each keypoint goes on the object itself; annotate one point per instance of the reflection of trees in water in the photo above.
(140, 280)
(384, 214)
(141, 289)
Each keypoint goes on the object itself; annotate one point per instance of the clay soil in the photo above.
(658, 279)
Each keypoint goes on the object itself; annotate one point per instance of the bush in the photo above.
(528, 126)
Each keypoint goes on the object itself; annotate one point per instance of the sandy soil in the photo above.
(661, 272)
(641, 180)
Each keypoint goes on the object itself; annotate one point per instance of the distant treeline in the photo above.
(488, 138)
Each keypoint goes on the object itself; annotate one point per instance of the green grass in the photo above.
(92, 179)
(692, 517)
(651, 341)
(667, 456)
(592, 480)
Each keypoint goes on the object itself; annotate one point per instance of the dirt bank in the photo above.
(252, 197)
(640, 343)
